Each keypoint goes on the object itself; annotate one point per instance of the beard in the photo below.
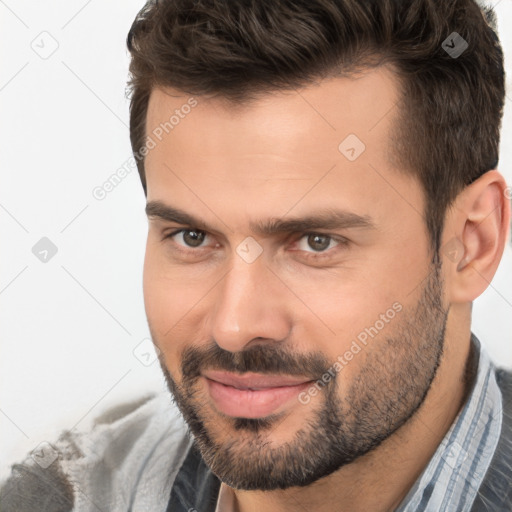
(387, 390)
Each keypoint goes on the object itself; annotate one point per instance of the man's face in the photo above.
(345, 321)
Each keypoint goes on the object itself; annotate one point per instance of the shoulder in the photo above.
(504, 379)
(109, 465)
(495, 493)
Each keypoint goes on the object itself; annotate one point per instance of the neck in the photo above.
(380, 480)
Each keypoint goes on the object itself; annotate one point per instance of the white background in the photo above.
(70, 325)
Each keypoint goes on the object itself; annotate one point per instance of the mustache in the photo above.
(261, 358)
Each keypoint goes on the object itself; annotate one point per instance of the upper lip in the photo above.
(253, 380)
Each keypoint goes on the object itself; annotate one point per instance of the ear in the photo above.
(474, 238)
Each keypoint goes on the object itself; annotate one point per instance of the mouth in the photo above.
(252, 395)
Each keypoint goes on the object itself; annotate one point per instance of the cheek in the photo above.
(165, 299)
(157, 302)
(173, 302)
(350, 312)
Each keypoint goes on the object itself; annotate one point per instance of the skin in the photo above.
(278, 157)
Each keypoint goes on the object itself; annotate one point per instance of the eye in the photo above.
(318, 245)
(190, 238)
(317, 241)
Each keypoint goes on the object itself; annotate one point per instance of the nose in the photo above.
(250, 305)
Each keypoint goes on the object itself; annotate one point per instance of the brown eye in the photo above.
(193, 238)
(187, 238)
(319, 242)
(317, 247)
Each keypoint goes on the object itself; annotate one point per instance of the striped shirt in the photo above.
(455, 472)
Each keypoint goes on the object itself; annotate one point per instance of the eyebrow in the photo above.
(324, 219)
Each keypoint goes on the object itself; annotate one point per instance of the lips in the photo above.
(253, 381)
(253, 395)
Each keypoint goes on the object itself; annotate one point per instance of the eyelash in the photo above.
(342, 242)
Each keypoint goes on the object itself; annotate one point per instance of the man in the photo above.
(324, 207)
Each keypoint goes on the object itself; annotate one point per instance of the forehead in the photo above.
(315, 117)
(324, 143)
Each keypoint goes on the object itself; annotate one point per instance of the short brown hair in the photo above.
(448, 128)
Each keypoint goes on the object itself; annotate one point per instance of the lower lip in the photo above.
(246, 403)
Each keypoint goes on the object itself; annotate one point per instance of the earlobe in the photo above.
(480, 221)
